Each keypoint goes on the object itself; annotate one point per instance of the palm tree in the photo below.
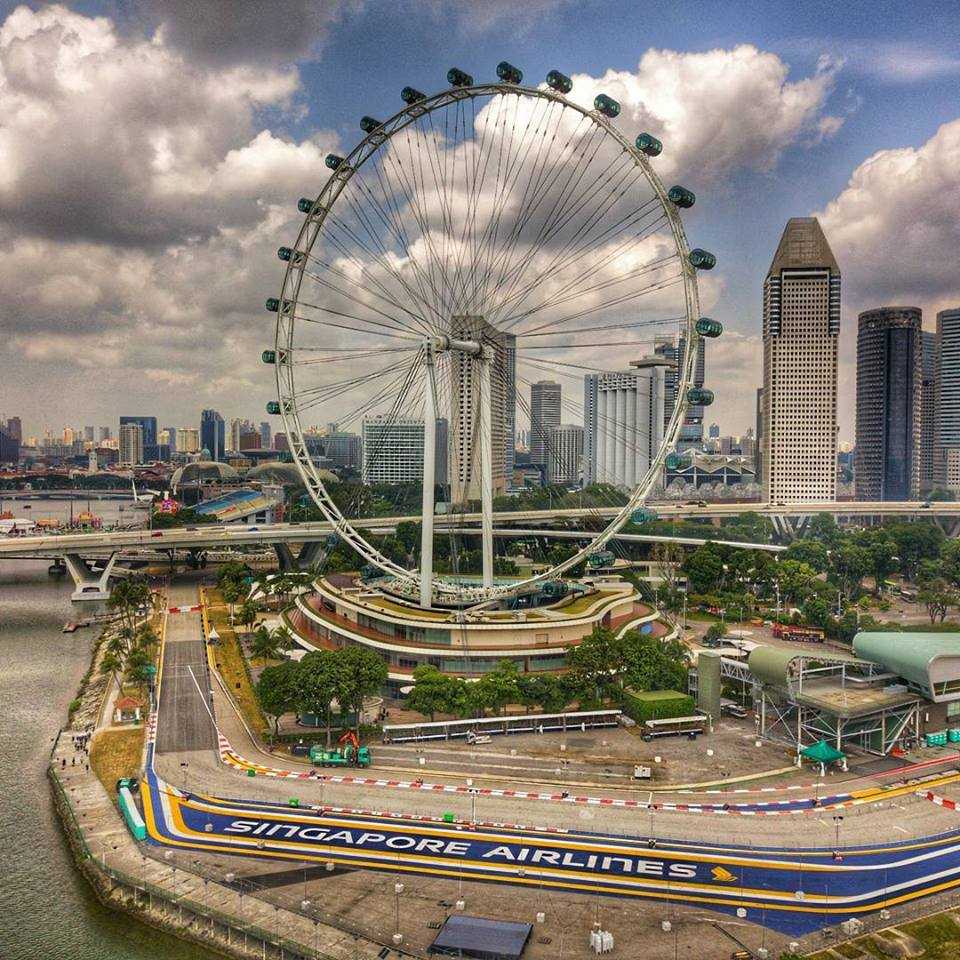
(263, 645)
(112, 664)
(248, 613)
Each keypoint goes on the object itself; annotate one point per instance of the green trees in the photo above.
(363, 673)
(595, 663)
(796, 580)
(277, 691)
(938, 593)
(248, 613)
(704, 569)
(318, 681)
(127, 596)
(435, 692)
(654, 664)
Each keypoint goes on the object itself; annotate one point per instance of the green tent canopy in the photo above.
(822, 752)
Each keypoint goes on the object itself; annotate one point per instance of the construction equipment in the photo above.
(348, 753)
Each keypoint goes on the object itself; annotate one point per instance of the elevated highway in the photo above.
(78, 549)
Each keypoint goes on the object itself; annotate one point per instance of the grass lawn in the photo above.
(115, 754)
(939, 934)
(229, 661)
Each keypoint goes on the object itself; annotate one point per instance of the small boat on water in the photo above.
(70, 627)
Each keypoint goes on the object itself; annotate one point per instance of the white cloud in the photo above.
(717, 112)
(895, 227)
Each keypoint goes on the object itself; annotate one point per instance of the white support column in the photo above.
(486, 465)
(429, 477)
(89, 584)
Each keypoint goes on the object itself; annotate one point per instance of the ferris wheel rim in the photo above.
(290, 292)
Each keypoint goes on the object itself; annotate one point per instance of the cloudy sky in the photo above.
(152, 154)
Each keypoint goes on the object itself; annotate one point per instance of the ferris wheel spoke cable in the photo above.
(533, 178)
(561, 295)
(554, 220)
(569, 254)
(660, 321)
(570, 163)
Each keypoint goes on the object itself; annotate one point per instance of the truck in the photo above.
(347, 753)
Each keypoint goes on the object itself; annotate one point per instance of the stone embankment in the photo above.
(125, 875)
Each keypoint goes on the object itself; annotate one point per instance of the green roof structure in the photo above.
(928, 662)
(822, 752)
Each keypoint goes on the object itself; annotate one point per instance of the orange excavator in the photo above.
(348, 753)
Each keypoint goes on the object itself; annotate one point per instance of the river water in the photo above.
(47, 910)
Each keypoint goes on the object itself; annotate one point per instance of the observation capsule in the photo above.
(285, 253)
(333, 161)
(709, 328)
(673, 461)
(305, 205)
(272, 304)
(411, 95)
(702, 259)
(699, 396)
(269, 356)
(273, 408)
(369, 124)
(457, 78)
(606, 105)
(681, 197)
(508, 73)
(559, 81)
(647, 143)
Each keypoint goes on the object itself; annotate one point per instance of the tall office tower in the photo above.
(564, 453)
(889, 371)
(168, 436)
(393, 450)
(238, 426)
(212, 430)
(465, 409)
(343, 449)
(68, 435)
(801, 327)
(131, 443)
(88, 434)
(264, 435)
(947, 440)
(15, 429)
(623, 422)
(9, 445)
(509, 368)
(714, 431)
(758, 449)
(148, 425)
(544, 415)
(691, 432)
(104, 433)
(928, 410)
(188, 440)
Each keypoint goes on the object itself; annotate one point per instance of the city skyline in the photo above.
(842, 120)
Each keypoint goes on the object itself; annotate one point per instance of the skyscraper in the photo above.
(264, 435)
(15, 429)
(889, 372)
(801, 327)
(691, 432)
(928, 410)
(131, 442)
(104, 433)
(149, 427)
(758, 451)
(544, 415)
(393, 450)
(212, 432)
(188, 440)
(947, 456)
(465, 409)
(623, 426)
(509, 368)
(565, 453)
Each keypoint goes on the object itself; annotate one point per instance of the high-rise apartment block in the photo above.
(465, 419)
(947, 440)
(565, 454)
(188, 440)
(623, 422)
(131, 442)
(212, 432)
(889, 375)
(545, 397)
(801, 329)
(928, 411)
(393, 450)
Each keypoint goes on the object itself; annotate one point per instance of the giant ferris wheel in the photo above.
(482, 244)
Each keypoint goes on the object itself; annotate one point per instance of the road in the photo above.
(295, 533)
(781, 870)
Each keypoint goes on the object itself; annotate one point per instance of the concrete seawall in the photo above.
(125, 875)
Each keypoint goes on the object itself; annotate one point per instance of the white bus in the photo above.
(690, 727)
